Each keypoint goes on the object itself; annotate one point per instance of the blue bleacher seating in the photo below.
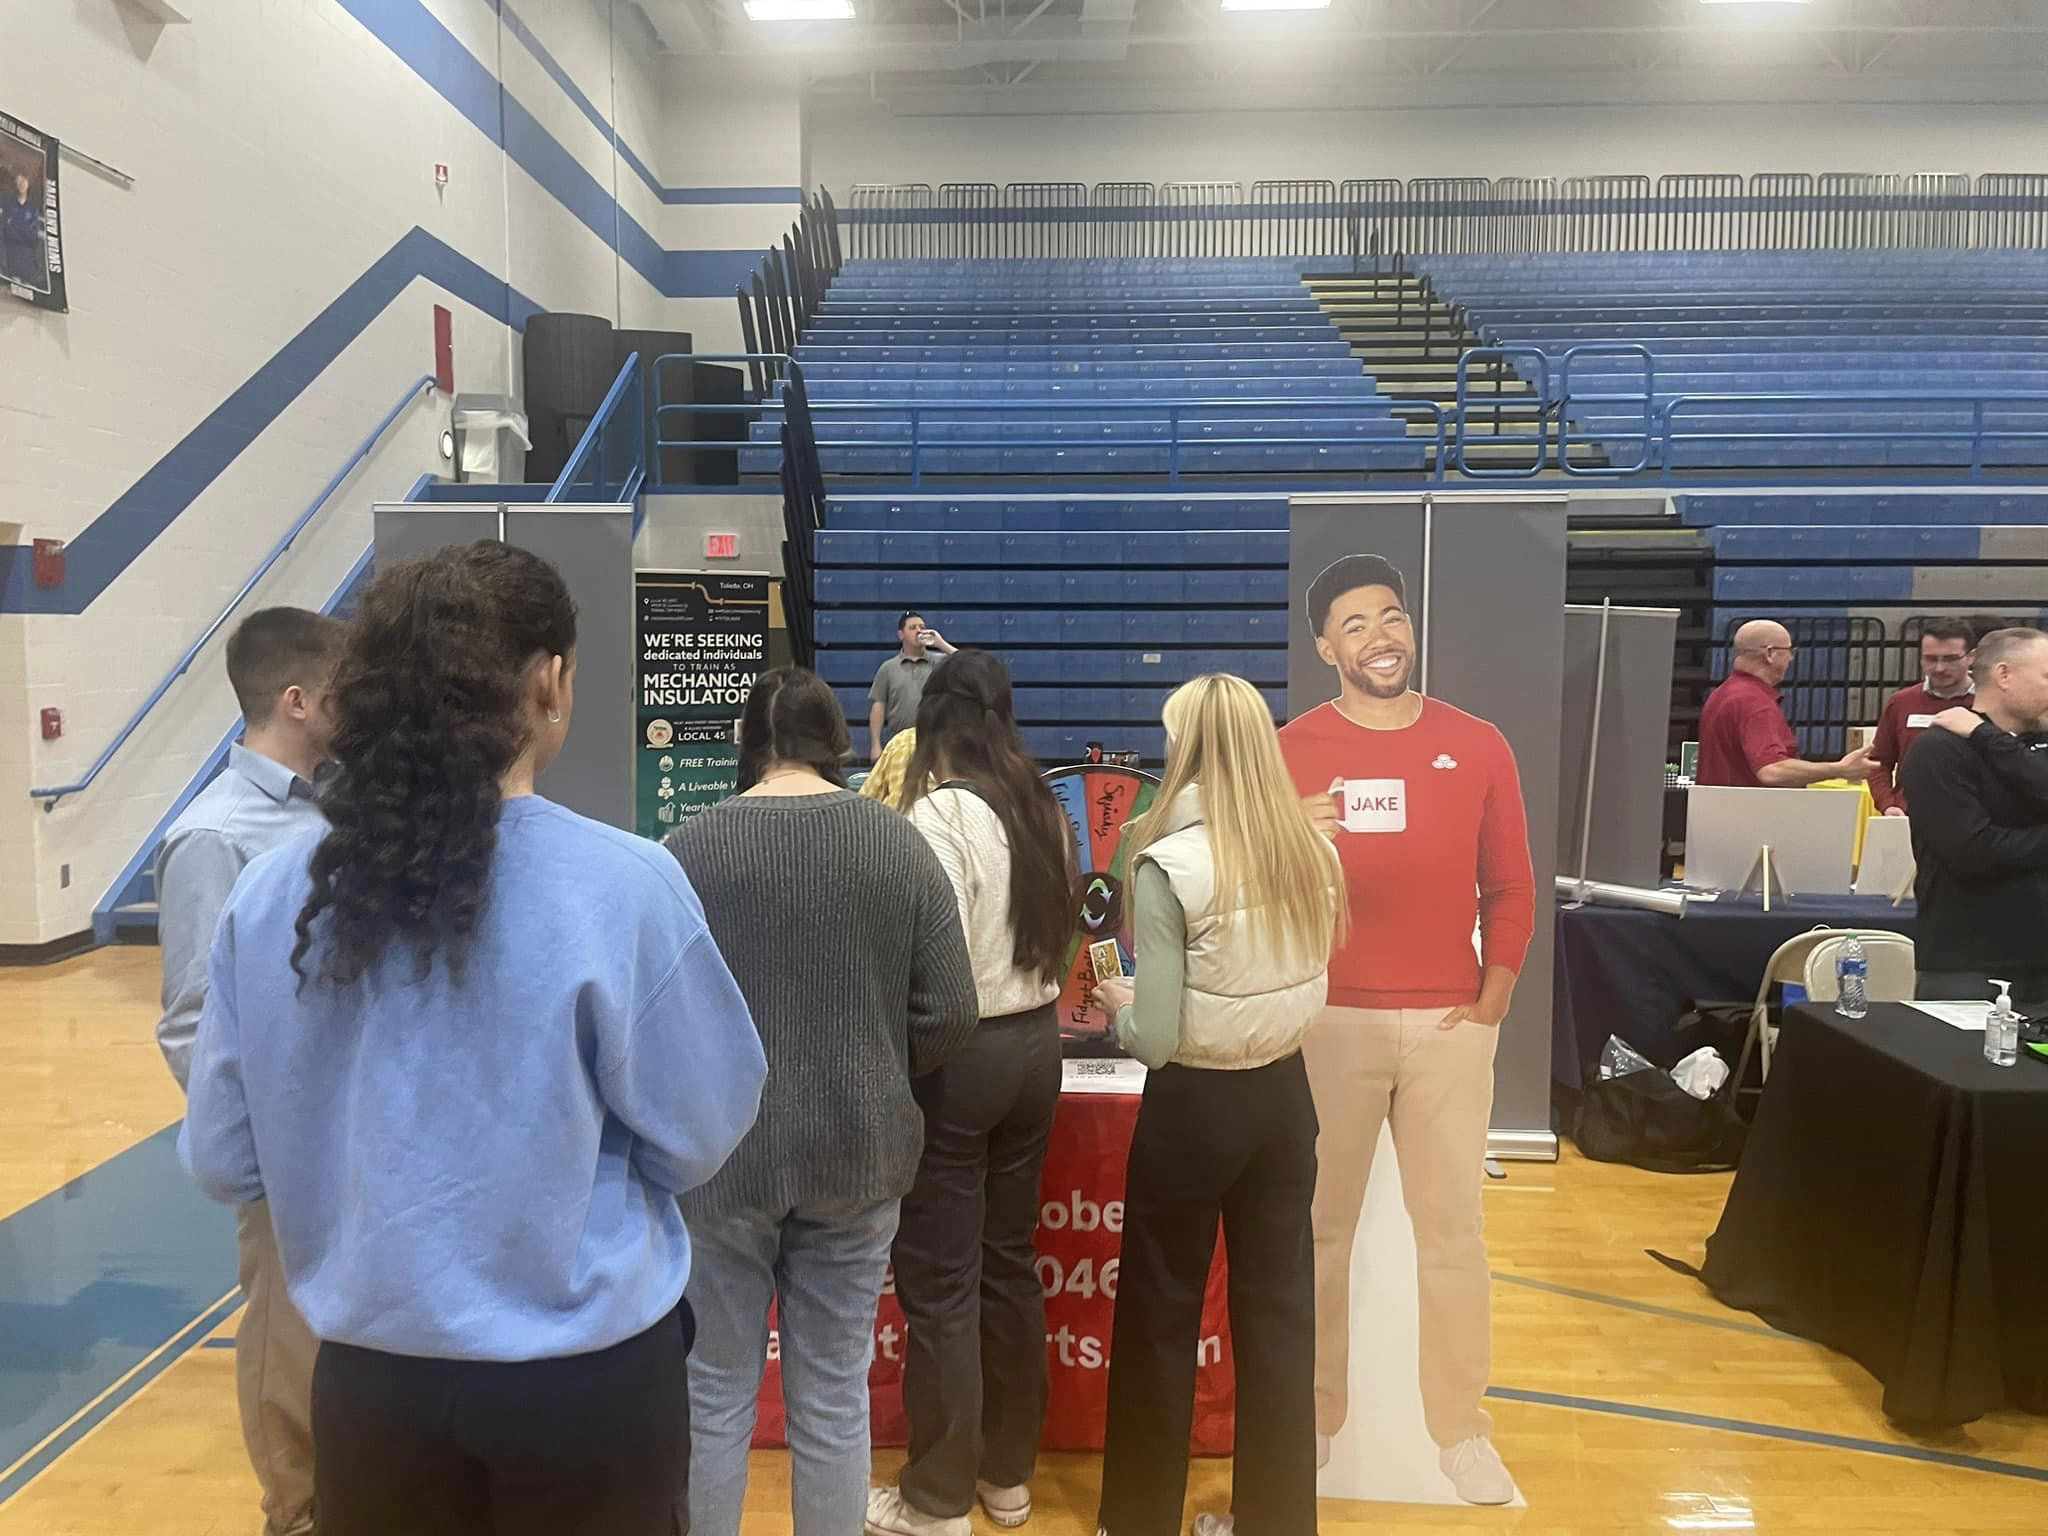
(1124, 344)
(1100, 605)
(1814, 325)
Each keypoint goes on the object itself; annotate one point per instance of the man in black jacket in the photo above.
(1980, 831)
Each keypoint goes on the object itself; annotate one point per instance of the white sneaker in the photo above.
(1323, 1443)
(1477, 1472)
(1008, 1507)
(1215, 1525)
(890, 1514)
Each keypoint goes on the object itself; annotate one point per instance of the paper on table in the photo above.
(1968, 1016)
(1102, 1074)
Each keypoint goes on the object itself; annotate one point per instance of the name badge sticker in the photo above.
(1919, 722)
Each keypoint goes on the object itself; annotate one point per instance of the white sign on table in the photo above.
(1964, 1016)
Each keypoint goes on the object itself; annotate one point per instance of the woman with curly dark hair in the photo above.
(471, 1047)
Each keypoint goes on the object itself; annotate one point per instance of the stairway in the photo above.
(1409, 340)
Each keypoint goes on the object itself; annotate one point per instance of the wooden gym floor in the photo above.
(1625, 1398)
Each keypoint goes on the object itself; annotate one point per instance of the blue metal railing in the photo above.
(1981, 430)
(1175, 443)
(52, 795)
(769, 365)
(1545, 413)
(1355, 219)
(616, 439)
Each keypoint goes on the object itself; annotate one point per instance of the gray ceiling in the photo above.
(1035, 56)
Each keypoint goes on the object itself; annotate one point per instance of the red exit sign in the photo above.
(721, 546)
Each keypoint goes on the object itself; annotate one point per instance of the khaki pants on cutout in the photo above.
(274, 1354)
(1367, 1067)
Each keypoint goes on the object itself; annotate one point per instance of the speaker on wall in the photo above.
(711, 384)
(668, 384)
(567, 364)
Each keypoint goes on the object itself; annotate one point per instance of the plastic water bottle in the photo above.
(2002, 1028)
(1852, 980)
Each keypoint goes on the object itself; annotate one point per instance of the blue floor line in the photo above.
(98, 1275)
(1772, 1432)
(1674, 1314)
(27, 1470)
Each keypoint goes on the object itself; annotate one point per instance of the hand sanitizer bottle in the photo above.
(2002, 1028)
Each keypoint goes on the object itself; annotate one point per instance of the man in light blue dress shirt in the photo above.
(280, 663)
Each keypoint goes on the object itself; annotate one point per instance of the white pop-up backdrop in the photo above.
(1383, 1452)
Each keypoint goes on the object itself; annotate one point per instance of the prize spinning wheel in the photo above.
(1099, 801)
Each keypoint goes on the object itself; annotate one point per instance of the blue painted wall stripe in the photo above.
(707, 197)
(98, 1275)
(114, 539)
(574, 92)
(107, 545)
(433, 53)
(688, 196)
(708, 274)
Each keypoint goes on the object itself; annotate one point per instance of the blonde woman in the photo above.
(1237, 900)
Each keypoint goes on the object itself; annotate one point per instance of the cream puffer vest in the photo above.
(1239, 1008)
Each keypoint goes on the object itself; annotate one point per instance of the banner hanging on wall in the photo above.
(31, 231)
(702, 641)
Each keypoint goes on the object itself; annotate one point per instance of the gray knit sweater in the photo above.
(839, 925)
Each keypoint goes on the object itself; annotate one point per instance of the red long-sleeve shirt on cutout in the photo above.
(1436, 844)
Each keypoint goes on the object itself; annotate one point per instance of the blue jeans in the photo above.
(825, 1265)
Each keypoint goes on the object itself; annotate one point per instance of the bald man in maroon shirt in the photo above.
(1745, 742)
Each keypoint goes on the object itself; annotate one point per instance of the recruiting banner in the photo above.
(702, 641)
(31, 231)
(1080, 1244)
(1425, 687)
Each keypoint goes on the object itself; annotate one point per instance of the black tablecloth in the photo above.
(1889, 1206)
(1622, 971)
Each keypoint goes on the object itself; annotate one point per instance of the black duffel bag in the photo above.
(1646, 1119)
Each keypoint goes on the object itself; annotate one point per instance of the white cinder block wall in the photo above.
(279, 152)
(733, 127)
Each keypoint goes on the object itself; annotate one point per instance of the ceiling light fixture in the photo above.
(1756, 2)
(1276, 5)
(799, 10)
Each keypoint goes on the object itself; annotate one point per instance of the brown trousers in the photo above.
(274, 1354)
(1368, 1067)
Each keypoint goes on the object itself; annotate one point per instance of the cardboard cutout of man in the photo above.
(1424, 804)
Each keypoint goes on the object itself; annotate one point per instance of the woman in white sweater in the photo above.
(974, 1375)
(1237, 904)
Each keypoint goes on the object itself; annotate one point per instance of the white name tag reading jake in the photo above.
(1919, 722)
(1374, 805)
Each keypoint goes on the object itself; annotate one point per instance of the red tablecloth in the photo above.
(1080, 1229)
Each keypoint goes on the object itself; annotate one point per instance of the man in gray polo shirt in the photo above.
(899, 681)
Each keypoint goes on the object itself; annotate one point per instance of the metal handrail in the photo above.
(592, 442)
(1173, 411)
(51, 796)
(1975, 435)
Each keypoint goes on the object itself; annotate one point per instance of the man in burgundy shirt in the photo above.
(1945, 647)
(1745, 742)
(1424, 803)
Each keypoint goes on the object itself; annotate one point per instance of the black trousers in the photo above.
(1239, 1147)
(974, 1376)
(585, 1445)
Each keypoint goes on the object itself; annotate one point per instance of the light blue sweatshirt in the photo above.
(489, 1170)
